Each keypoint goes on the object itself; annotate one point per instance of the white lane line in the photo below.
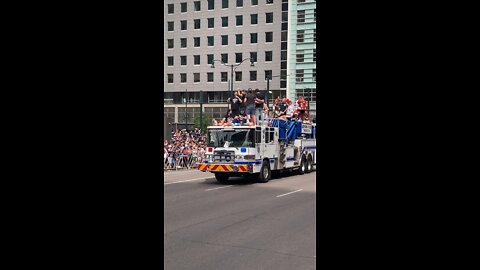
(203, 178)
(218, 188)
(289, 193)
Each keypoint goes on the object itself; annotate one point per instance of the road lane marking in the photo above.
(217, 188)
(203, 178)
(289, 193)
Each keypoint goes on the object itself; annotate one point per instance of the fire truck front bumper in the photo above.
(225, 168)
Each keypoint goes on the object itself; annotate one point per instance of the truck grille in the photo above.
(224, 156)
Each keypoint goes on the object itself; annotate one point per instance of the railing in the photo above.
(182, 161)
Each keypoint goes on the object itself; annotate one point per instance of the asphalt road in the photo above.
(240, 225)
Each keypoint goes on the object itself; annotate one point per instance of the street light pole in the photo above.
(186, 101)
(232, 70)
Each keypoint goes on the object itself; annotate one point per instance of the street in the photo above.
(241, 224)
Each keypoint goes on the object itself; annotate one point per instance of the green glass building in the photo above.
(302, 52)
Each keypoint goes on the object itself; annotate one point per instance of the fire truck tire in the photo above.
(221, 177)
(303, 166)
(265, 173)
(309, 164)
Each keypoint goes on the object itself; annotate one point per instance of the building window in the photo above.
(183, 77)
(196, 24)
(196, 77)
(183, 25)
(315, 15)
(285, 16)
(170, 61)
(238, 57)
(268, 36)
(269, 1)
(171, 8)
(300, 16)
(299, 75)
(268, 56)
(239, 20)
(239, 3)
(170, 78)
(284, 36)
(170, 26)
(196, 42)
(209, 59)
(210, 41)
(283, 65)
(238, 76)
(254, 2)
(253, 76)
(224, 21)
(225, 3)
(283, 46)
(239, 39)
(253, 57)
(209, 76)
(170, 43)
(314, 75)
(196, 59)
(269, 17)
(300, 56)
(211, 4)
(211, 22)
(224, 39)
(223, 76)
(183, 60)
(283, 55)
(183, 43)
(253, 18)
(224, 57)
(268, 74)
(314, 55)
(300, 36)
(314, 35)
(301, 1)
(183, 7)
(253, 38)
(196, 6)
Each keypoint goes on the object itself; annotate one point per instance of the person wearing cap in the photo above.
(250, 105)
(259, 101)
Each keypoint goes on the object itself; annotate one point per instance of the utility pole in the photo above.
(201, 111)
(186, 101)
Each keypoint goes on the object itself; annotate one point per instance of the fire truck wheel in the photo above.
(309, 164)
(221, 177)
(265, 173)
(303, 166)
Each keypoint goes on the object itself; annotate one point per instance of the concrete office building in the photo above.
(199, 32)
(302, 52)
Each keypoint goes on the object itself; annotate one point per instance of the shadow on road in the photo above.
(250, 180)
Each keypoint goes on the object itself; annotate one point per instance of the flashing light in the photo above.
(209, 149)
(243, 150)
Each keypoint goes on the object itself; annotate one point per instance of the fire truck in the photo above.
(271, 146)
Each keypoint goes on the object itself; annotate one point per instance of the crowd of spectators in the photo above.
(185, 147)
(248, 106)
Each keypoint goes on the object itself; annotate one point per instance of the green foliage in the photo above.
(206, 122)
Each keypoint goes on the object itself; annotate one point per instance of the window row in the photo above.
(197, 5)
(224, 22)
(301, 36)
(300, 56)
(301, 16)
(223, 58)
(224, 40)
(300, 75)
(223, 76)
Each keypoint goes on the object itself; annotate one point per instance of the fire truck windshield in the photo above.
(233, 138)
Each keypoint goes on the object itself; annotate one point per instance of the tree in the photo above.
(207, 121)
